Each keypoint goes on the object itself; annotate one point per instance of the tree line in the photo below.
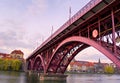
(10, 64)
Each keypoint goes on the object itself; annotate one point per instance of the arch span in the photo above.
(67, 59)
(89, 42)
(29, 65)
(40, 59)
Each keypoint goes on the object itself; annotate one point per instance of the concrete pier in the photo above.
(42, 76)
(52, 77)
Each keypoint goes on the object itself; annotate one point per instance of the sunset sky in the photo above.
(25, 24)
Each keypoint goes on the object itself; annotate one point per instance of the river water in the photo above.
(16, 77)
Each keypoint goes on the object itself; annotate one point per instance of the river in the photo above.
(17, 77)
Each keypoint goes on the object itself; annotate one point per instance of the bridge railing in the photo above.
(85, 9)
(79, 14)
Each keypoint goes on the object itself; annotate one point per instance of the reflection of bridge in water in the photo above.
(97, 24)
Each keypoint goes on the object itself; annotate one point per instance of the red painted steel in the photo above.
(29, 66)
(55, 54)
(90, 42)
(113, 30)
(39, 57)
(60, 54)
(79, 14)
(59, 70)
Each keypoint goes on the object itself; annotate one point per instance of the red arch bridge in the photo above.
(97, 24)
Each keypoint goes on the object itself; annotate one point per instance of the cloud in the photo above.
(37, 7)
(3, 50)
(1, 42)
(13, 36)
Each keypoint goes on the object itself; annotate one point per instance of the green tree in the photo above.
(109, 69)
(1, 64)
(16, 65)
(7, 63)
(10, 64)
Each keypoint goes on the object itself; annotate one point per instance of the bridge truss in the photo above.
(96, 25)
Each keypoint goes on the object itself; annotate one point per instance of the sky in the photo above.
(25, 24)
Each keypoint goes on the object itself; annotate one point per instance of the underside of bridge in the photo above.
(96, 25)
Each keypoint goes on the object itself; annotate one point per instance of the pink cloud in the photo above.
(1, 42)
(37, 7)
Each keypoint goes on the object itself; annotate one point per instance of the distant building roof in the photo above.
(4, 55)
(81, 63)
(75, 63)
(17, 52)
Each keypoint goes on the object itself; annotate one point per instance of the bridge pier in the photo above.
(42, 76)
(53, 76)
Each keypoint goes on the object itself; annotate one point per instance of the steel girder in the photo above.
(106, 22)
(39, 64)
(59, 63)
(29, 64)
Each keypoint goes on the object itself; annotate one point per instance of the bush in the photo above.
(10, 64)
(16, 65)
(1, 64)
(109, 69)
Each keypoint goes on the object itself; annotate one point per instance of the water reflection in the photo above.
(53, 81)
(93, 78)
(11, 77)
(17, 77)
(33, 78)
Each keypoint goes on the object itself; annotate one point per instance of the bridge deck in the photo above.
(91, 9)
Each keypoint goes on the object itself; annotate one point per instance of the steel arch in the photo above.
(90, 42)
(29, 65)
(42, 61)
(58, 70)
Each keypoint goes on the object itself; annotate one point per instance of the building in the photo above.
(80, 66)
(4, 55)
(17, 54)
(99, 67)
(74, 66)
(88, 67)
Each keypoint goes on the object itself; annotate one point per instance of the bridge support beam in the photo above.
(113, 31)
